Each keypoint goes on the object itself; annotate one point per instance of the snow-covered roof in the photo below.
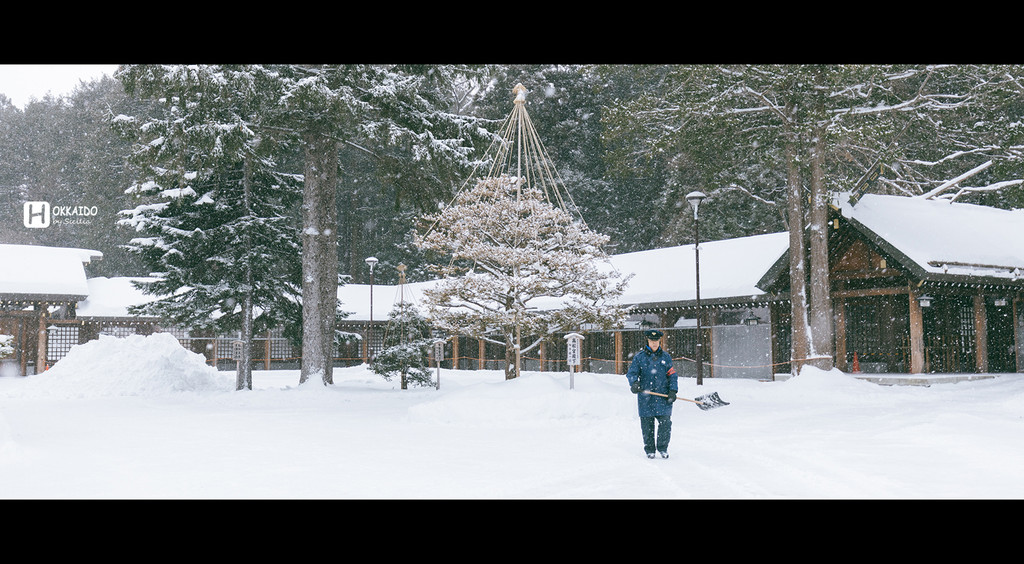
(110, 297)
(355, 299)
(943, 240)
(729, 270)
(34, 272)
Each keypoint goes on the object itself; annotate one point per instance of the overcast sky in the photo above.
(20, 83)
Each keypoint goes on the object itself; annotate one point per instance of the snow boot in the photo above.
(662, 453)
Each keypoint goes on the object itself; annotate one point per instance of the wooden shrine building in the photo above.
(40, 288)
(921, 286)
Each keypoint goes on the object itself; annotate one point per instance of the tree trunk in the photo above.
(797, 267)
(243, 373)
(510, 357)
(319, 259)
(821, 323)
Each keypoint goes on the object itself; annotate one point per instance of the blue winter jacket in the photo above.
(655, 372)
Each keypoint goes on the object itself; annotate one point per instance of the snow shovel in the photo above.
(705, 402)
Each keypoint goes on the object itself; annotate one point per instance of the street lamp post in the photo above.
(695, 198)
(371, 262)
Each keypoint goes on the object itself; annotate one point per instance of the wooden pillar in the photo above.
(916, 333)
(41, 343)
(366, 343)
(980, 334)
(1018, 339)
(23, 345)
(840, 326)
(543, 355)
(618, 353)
(455, 352)
(481, 354)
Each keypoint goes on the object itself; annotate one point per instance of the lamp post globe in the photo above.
(695, 198)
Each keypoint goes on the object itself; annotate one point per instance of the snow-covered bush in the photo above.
(6, 346)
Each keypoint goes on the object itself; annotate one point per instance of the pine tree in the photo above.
(515, 266)
(407, 345)
(215, 227)
(396, 114)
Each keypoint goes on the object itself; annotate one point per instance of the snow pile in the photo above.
(817, 381)
(138, 365)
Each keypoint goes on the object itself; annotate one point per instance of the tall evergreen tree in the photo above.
(215, 225)
(399, 116)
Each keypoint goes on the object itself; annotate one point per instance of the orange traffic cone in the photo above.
(856, 363)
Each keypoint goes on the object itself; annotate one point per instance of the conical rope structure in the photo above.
(520, 145)
(519, 153)
(517, 159)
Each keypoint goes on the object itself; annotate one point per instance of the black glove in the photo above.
(635, 387)
(671, 396)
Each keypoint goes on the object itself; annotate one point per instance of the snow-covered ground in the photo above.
(142, 418)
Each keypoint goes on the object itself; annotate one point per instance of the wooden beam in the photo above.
(891, 291)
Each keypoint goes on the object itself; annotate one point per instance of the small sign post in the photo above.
(438, 355)
(573, 348)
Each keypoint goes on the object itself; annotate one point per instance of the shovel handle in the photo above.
(678, 398)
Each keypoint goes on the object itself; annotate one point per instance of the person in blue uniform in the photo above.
(652, 370)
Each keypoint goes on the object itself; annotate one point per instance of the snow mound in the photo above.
(834, 380)
(138, 365)
(835, 387)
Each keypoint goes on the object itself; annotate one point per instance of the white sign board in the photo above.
(573, 349)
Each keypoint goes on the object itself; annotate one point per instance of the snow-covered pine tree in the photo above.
(516, 267)
(407, 344)
(215, 226)
(400, 116)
